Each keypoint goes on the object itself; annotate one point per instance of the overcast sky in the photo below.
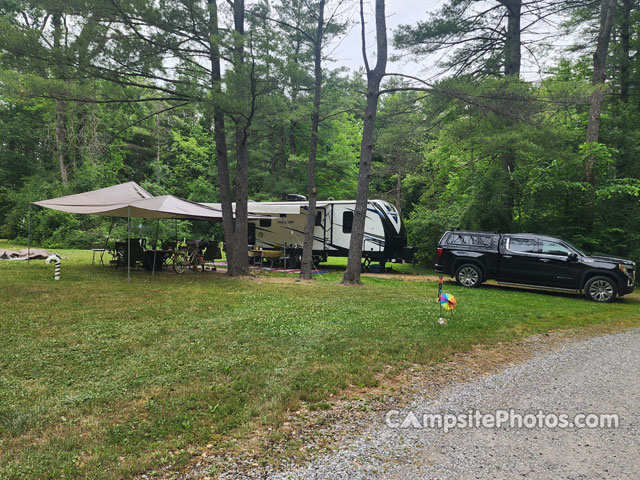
(349, 52)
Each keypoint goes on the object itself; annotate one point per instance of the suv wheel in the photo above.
(469, 275)
(600, 289)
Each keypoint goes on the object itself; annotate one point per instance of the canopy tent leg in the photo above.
(155, 249)
(106, 240)
(129, 244)
(175, 224)
(29, 236)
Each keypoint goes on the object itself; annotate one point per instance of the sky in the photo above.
(349, 52)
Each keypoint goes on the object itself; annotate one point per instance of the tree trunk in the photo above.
(607, 14)
(307, 251)
(512, 65)
(240, 264)
(513, 44)
(625, 40)
(374, 78)
(222, 157)
(508, 200)
(158, 158)
(293, 125)
(399, 191)
(61, 139)
(60, 105)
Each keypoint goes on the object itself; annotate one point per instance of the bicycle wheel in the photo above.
(180, 262)
(198, 263)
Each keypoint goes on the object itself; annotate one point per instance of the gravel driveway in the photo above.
(600, 375)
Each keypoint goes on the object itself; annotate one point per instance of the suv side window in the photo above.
(554, 248)
(474, 240)
(523, 245)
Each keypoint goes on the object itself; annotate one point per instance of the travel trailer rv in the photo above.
(385, 238)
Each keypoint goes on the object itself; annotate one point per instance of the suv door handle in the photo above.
(545, 260)
(507, 256)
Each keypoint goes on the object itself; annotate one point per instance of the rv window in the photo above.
(265, 222)
(318, 219)
(347, 222)
(252, 233)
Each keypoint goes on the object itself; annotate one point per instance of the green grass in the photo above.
(104, 379)
(338, 264)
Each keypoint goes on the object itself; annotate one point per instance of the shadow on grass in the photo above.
(550, 293)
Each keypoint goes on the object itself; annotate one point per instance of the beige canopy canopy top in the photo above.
(131, 200)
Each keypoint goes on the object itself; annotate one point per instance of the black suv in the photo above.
(533, 260)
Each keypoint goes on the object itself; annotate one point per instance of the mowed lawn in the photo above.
(104, 379)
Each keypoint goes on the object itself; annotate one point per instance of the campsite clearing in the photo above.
(104, 379)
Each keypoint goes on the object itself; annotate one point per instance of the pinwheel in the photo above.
(447, 301)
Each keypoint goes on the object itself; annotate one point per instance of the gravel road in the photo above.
(600, 375)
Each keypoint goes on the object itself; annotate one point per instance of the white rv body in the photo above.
(384, 233)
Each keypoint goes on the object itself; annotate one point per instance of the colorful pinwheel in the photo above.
(447, 301)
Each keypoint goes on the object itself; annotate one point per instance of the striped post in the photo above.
(56, 269)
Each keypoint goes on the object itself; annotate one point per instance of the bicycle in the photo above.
(189, 256)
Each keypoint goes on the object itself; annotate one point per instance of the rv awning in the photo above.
(262, 208)
(130, 199)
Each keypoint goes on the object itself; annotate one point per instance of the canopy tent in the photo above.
(129, 200)
(97, 201)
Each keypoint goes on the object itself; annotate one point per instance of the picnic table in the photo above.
(263, 255)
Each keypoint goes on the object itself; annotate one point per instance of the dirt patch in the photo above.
(315, 429)
(405, 276)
